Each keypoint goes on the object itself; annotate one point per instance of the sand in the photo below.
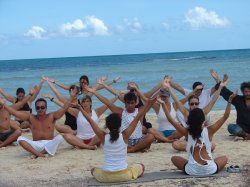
(71, 167)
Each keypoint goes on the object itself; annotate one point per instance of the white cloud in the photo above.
(90, 25)
(166, 25)
(134, 26)
(36, 32)
(200, 17)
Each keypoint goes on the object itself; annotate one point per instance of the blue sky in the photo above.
(66, 28)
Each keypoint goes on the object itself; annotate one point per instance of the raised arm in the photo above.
(37, 91)
(175, 85)
(217, 125)
(7, 96)
(20, 104)
(107, 102)
(142, 96)
(59, 113)
(128, 131)
(108, 87)
(56, 92)
(59, 84)
(177, 125)
(210, 105)
(102, 109)
(104, 78)
(100, 134)
(23, 115)
(179, 104)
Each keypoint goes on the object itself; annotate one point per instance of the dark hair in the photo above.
(192, 97)
(113, 123)
(196, 118)
(196, 84)
(130, 96)
(83, 77)
(244, 85)
(73, 87)
(20, 90)
(41, 99)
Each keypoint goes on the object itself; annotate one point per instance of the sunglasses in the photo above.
(200, 89)
(192, 104)
(132, 90)
(40, 107)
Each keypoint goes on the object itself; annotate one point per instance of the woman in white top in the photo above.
(200, 160)
(115, 167)
(166, 131)
(85, 137)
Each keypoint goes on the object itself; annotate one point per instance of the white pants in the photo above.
(48, 145)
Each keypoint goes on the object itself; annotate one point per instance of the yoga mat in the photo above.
(158, 175)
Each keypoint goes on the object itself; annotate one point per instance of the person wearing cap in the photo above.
(166, 131)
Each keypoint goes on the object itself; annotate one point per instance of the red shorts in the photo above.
(87, 141)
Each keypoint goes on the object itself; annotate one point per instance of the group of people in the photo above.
(187, 128)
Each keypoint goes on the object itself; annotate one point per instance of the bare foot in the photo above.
(143, 169)
(236, 138)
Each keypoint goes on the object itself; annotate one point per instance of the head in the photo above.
(20, 93)
(113, 123)
(165, 95)
(196, 121)
(41, 106)
(130, 101)
(131, 89)
(199, 87)
(84, 81)
(245, 89)
(193, 102)
(72, 87)
(86, 102)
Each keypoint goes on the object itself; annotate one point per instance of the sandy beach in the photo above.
(71, 167)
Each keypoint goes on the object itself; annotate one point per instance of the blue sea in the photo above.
(144, 69)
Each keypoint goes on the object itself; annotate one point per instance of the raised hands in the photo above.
(214, 75)
(47, 96)
(232, 96)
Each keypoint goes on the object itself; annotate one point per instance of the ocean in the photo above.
(144, 69)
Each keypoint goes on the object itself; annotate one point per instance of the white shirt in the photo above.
(115, 154)
(204, 98)
(84, 130)
(163, 123)
(127, 118)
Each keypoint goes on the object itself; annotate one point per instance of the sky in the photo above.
(69, 28)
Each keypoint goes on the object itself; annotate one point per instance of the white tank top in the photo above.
(84, 130)
(127, 118)
(115, 154)
(204, 139)
(163, 123)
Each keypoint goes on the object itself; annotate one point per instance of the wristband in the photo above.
(30, 94)
(52, 99)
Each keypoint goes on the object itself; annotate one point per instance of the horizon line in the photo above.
(122, 54)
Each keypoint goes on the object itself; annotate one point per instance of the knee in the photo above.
(18, 132)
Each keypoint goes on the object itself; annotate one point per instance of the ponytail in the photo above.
(113, 123)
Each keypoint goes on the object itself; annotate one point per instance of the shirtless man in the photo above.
(8, 132)
(42, 127)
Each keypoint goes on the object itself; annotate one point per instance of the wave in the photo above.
(191, 58)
